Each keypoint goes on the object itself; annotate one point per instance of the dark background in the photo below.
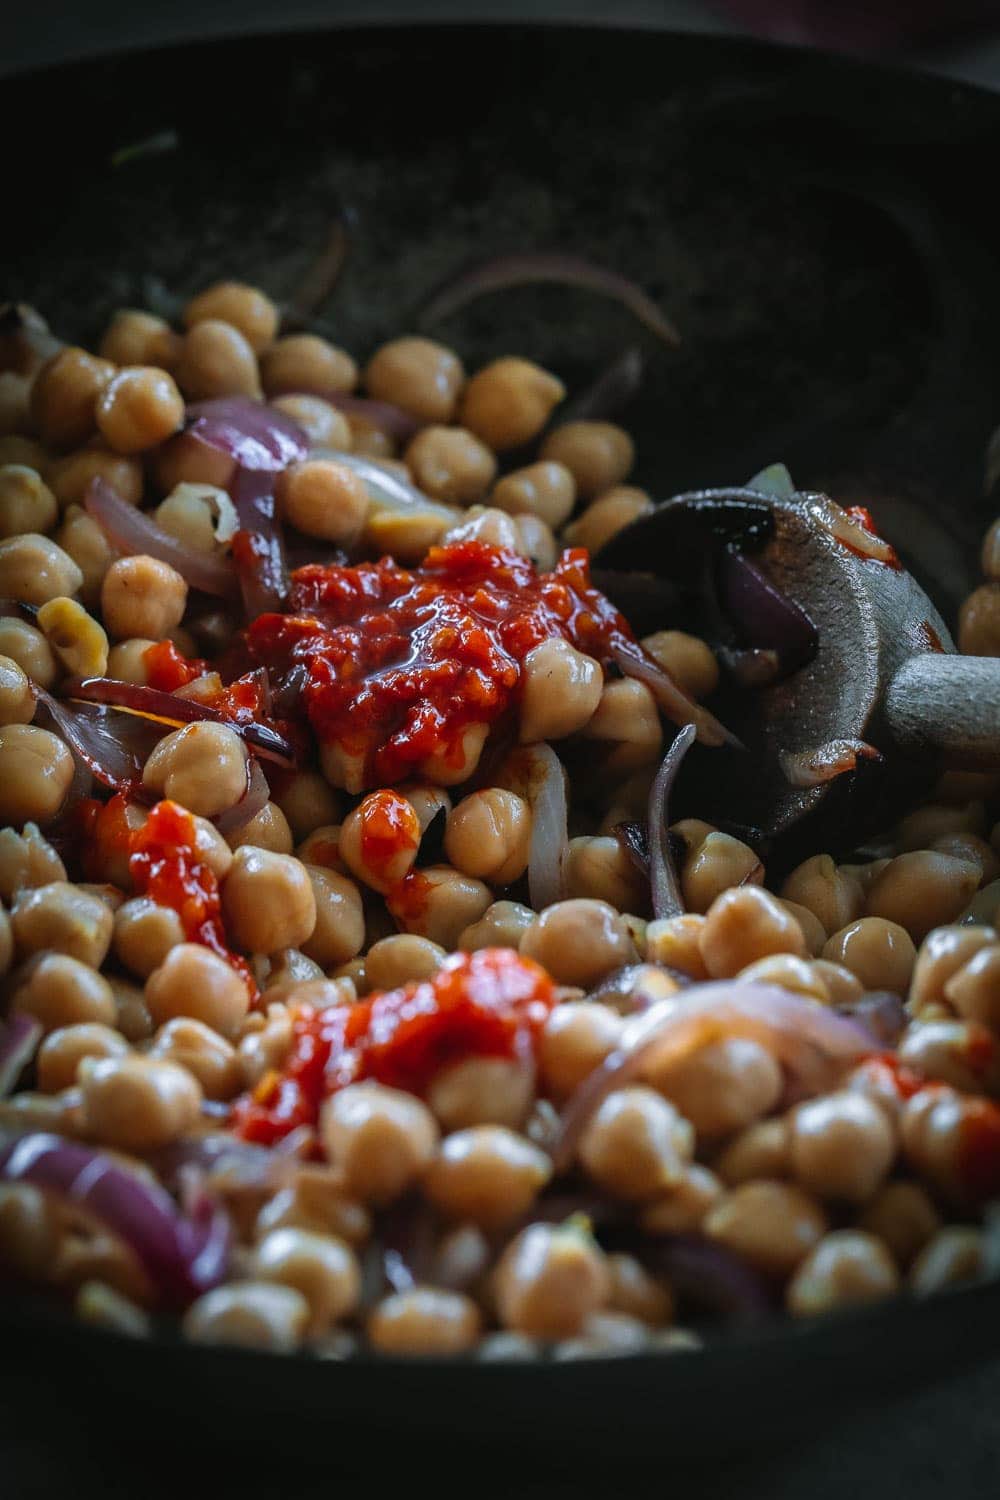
(945, 1442)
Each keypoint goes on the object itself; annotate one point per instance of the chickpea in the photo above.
(686, 1205)
(502, 925)
(203, 1052)
(744, 925)
(599, 455)
(64, 919)
(191, 512)
(550, 1280)
(244, 307)
(455, 763)
(23, 644)
(140, 338)
(424, 1321)
(261, 1051)
(773, 1225)
(762, 1150)
(637, 1144)
(63, 1049)
(139, 408)
(449, 902)
(36, 771)
(75, 636)
(561, 691)
(82, 539)
(846, 1267)
(545, 490)
(717, 864)
(600, 869)
(249, 1315)
(451, 464)
(303, 362)
(380, 838)
(922, 890)
(288, 969)
(605, 1335)
(903, 1217)
(28, 1233)
(956, 1253)
(811, 927)
(419, 375)
(979, 622)
(483, 523)
(267, 830)
(675, 942)
(606, 516)
(971, 849)
(323, 424)
(508, 402)
(832, 895)
(399, 960)
(381, 1139)
(26, 502)
(788, 973)
(842, 1146)
(26, 859)
(185, 460)
(137, 1103)
(921, 827)
(308, 803)
(482, 1091)
(144, 934)
(984, 906)
(202, 766)
(216, 360)
(314, 1200)
(406, 534)
(15, 409)
(34, 569)
(942, 954)
(538, 542)
(489, 834)
(486, 1175)
(17, 702)
(64, 397)
(960, 1053)
(339, 933)
(141, 596)
(723, 1087)
(322, 847)
(975, 990)
(579, 941)
(626, 719)
(324, 499)
(268, 901)
(23, 450)
(322, 1268)
(193, 981)
(842, 987)
(635, 1292)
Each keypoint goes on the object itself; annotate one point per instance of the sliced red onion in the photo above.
(19, 1038)
(531, 267)
(813, 1042)
(664, 886)
(322, 275)
(258, 548)
(258, 437)
(253, 801)
(222, 1163)
(634, 839)
(752, 666)
(705, 1275)
(825, 762)
(766, 616)
(633, 661)
(849, 532)
(549, 836)
(183, 1256)
(168, 708)
(133, 531)
(880, 1012)
(613, 388)
(114, 747)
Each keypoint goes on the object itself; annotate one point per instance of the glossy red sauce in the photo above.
(167, 669)
(487, 1004)
(892, 1076)
(397, 663)
(977, 1160)
(863, 517)
(390, 830)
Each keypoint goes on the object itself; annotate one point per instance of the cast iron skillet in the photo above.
(822, 234)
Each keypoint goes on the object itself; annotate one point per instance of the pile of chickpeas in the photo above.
(833, 1200)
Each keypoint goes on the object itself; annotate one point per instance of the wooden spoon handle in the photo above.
(948, 707)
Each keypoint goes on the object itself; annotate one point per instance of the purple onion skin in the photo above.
(706, 1277)
(768, 619)
(665, 890)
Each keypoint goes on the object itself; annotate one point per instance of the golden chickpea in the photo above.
(675, 942)
(322, 1268)
(984, 906)
(322, 847)
(482, 1091)
(550, 1280)
(17, 701)
(545, 490)
(249, 1315)
(971, 849)
(636, 1145)
(216, 360)
(451, 464)
(139, 408)
(36, 771)
(880, 953)
(34, 569)
(979, 622)
(842, 987)
(62, 918)
(579, 941)
(922, 890)
(244, 307)
(29, 1235)
(339, 933)
(193, 981)
(315, 1200)
(484, 523)
(502, 925)
(82, 539)
(75, 636)
(141, 596)
(323, 424)
(203, 1052)
(305, 363)
(942, 954)
(15, 408)
(26, 502)
(974, 990)
(762, 1150)
(448, 903)
(831, 894)
(308, 803)
(812, 928)
(688, 659)
(202, 766)
(63, 1049)
(538, 542)
(715, 866)
(266, 830)
(723, 1087)
(956, 1253)
(379, 840)
(23, 644)
(140, 338)
(186, 460)
(268, 901)
(508, 402)
(137, 1103)
(561, 691)
(685, 1206)
(773, 1225)
(417, 374)
(144, 934)
(600, 869)
(381, 1139)
(424, 1321)
(64, 397)
(486, 1175)
(599, 455)
(324, 499)
(453, 764)
(399, 960)
(847, 1267)
(289, 969)
(743, 925)
(606, 516)
(920, 828)
(627, 721)
(903, 1217)
(635, 1292)
(489, 835)
(842, 1146)
(26, 859)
